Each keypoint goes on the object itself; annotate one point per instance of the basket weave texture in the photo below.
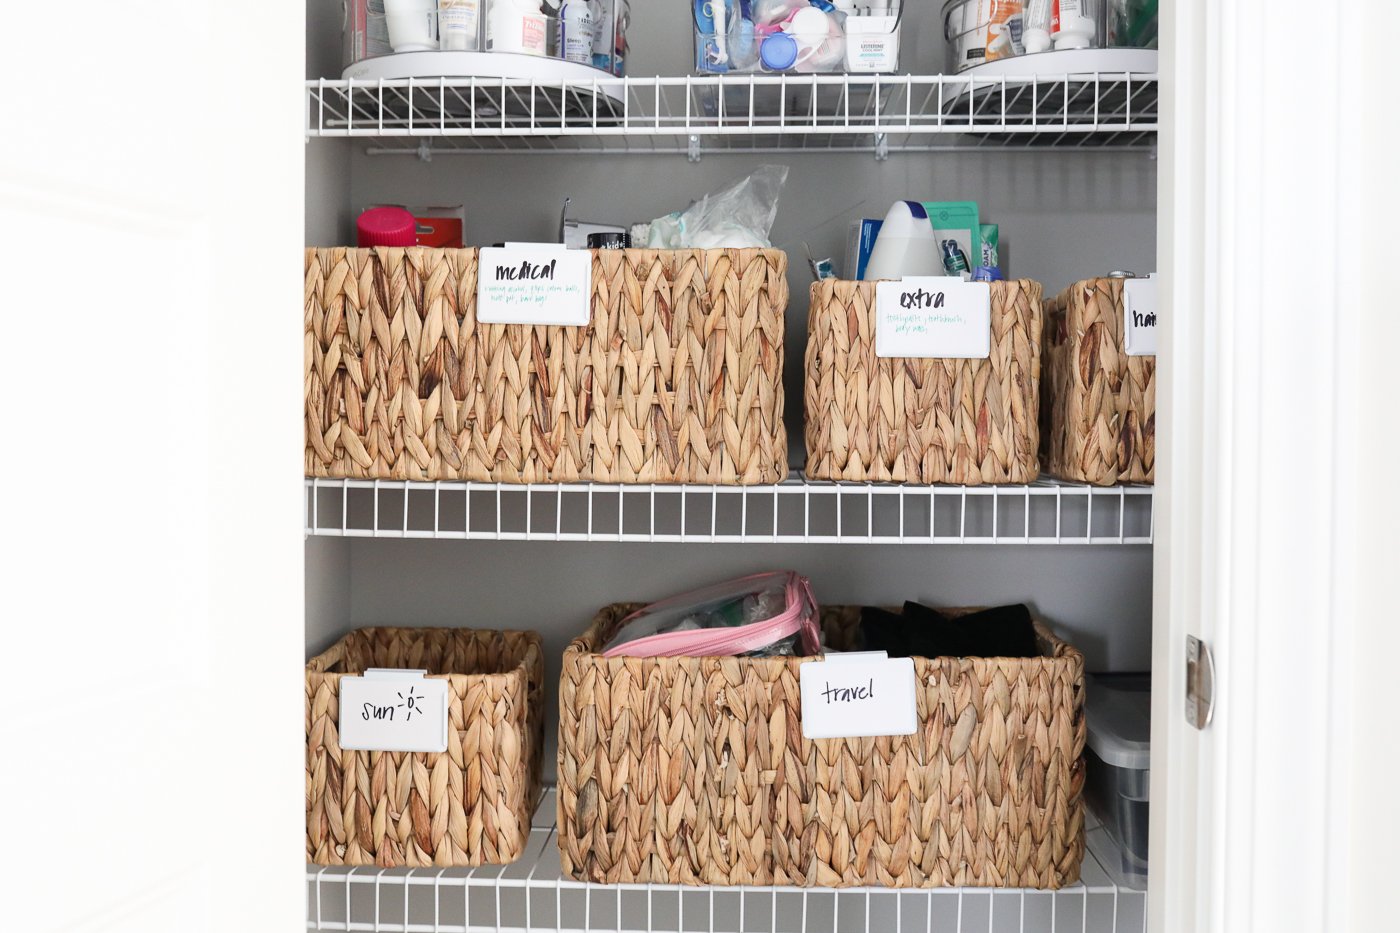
(695, 771)
(470, 805)
(1099, 412)
(677, 378)
(921, 420)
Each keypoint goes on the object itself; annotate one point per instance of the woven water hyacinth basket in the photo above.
(921, 420)
(470, 805)
(695, 771)
(678, 377)
(1099, 411)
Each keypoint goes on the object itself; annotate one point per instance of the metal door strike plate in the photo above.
(1200, 682)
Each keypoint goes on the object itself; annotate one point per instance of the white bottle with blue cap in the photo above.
(905, 246)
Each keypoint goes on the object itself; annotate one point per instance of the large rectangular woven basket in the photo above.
(677, 378)
(470, 805)
(1099, 406)
(921, 420)
(695, 771)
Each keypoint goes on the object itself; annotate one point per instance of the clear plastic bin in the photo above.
(803, 36)
(593, 35)
(1119, 714)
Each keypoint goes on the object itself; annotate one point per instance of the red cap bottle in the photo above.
(386, 226)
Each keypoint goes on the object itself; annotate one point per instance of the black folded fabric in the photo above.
(1003, 632)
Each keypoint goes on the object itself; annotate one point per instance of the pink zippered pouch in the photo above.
(751, 614)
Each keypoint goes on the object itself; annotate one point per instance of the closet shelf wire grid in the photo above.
(796, 511)
(772, 113)
(533, 894)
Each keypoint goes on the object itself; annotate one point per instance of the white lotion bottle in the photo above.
(905, 245)
(1072, 26)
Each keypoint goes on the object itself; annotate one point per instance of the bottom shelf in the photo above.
(533, 894)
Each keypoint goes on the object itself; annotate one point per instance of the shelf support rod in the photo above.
(692, 151)
(882, 147)
(425, 151)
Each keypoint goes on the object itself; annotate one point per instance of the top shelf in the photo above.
(768, 113)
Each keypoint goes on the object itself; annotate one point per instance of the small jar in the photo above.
(609, 240)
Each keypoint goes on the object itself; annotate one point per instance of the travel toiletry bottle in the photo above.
(1036, 34)
(602, 34)
(517, 26)
(1072, 24)
(457, 24)
(412, 24)
(954, 259)
(577, 32)
(712, 46)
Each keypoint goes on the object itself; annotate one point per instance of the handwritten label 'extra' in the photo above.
(534, 284)
(857, 694)
(393, 711)
(933, 317)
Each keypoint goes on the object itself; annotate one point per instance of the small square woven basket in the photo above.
(1099, 405)
(921, 421)
(469, 805)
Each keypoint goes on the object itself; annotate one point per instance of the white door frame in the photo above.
(1276, 400)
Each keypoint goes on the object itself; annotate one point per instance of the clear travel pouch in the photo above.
(764, 615)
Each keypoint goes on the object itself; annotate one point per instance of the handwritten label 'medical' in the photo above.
(856, 695)
(933, 317)
(393, 711)
(544, 284)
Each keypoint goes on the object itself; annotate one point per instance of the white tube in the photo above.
(457, 24)
(721, 32)
(1036, 34)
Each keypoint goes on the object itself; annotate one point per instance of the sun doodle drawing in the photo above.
(411, 703)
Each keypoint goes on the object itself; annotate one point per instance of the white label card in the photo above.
(393, 711)
(937, 317)
(856, 695)
(534, 284)
(1140, 316)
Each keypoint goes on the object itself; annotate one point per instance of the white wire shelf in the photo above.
(772, 113)
(796, 511)
(534, 894)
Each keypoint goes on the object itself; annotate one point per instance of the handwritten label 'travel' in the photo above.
(393, 711)
(858, 694)
(526, 284)
(933, 317)
(1140, 316)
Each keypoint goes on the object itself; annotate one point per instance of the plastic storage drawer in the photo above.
(1120, 724)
